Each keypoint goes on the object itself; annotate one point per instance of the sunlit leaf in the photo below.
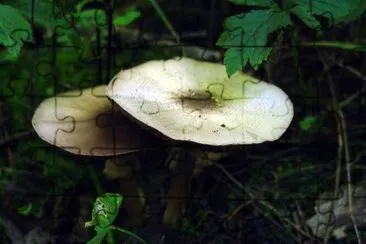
(14, 29)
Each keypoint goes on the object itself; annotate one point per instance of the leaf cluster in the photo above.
(246, 35)
(18, 18)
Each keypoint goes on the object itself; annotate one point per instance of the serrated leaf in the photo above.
(336, 11)
(304, 14)
(236, 58)
(258, 3)
(14, 29)
(246, 36)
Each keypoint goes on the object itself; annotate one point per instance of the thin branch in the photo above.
(21, 135)
(302, 219)
(262, 202)
(11, 230)
(359, 75)
(166, 21)
(342, 147)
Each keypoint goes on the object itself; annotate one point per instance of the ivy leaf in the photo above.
(246, 36)
(336, 11)
(258, 3)
(14, 29)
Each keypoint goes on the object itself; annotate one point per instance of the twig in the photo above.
(262, 202)
(271, 157)
(5, 133)
(95, 180)
(285, 219)
(275, 211)
(302, 219)
(359, 75)
(11, 230)
(9, 152)
(134, 36)
(15, 137)
(166, 21)
(128, 233)
(342, 147)
(295, 217)
(339, 152)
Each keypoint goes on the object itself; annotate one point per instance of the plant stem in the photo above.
(99, 190)
(128, 233)
(361, 47)
(95, 180)
(166, 21)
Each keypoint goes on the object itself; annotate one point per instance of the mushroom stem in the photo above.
(180, 187)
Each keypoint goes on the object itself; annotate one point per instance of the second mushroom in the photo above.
(178, 99)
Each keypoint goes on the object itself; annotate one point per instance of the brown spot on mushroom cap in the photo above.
(190, 100)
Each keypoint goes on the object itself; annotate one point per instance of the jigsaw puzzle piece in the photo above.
(89, 124)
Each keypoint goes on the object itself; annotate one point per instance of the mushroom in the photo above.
(196, 101)
(182, 99)
(87, 123)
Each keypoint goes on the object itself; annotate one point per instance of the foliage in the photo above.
(14, 30)
(30, 73)
(105, 211)
(307, 123)
(26, 209)
(127, 18)
(17, 17)
(68, 57)
(42, 12)
(246, 35)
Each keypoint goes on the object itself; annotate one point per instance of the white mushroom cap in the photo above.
(85, 122)
(196, 101)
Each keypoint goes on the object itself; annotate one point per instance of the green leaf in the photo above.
(307, 123)
(258, 3)
(246, 35)
(336, 11)
(305, 15)
(26, 209)
(105, 210)
(127, 18)
(42, 11)
(14, 29)
(92, 18)
(236, 58)
(101, 233)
